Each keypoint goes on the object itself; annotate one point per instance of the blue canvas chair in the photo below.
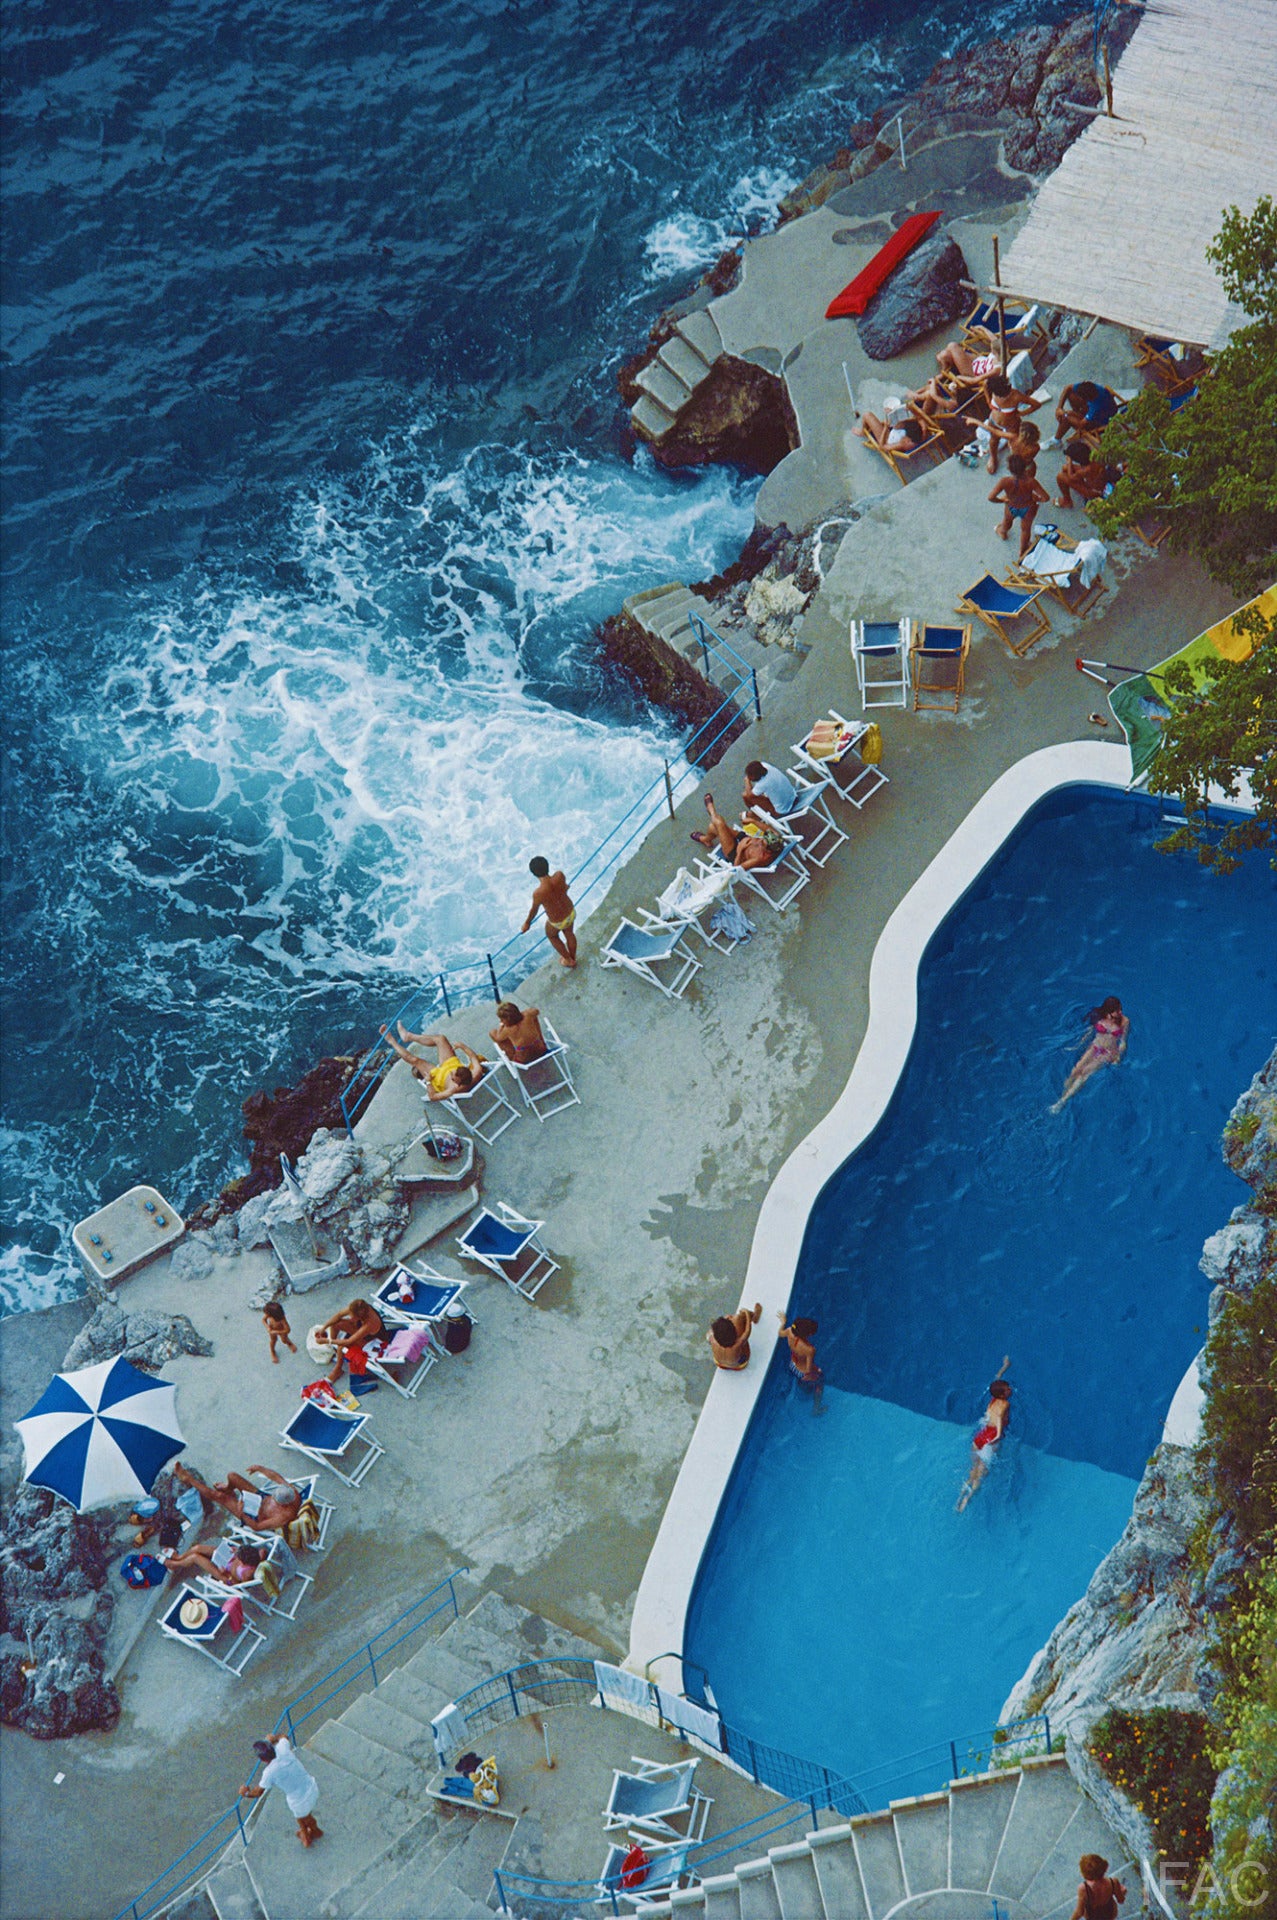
(940, 668)
(880, 655)
(816, 833)
(662, 959)
(290, 1584)
(433, 1295)
(308, 1486)
(507, 1244)
(236, 1649)
(484, 1111)
(1000, 607)
(982, 332)
(330, 1438)
(650, 1799)
(546, 1084)
(667, 1869)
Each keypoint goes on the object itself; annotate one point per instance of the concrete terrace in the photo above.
(543, 1458)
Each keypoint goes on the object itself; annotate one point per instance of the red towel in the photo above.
(855, 297)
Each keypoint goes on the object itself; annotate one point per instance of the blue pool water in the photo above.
(976, 1223)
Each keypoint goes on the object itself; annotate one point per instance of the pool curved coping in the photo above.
(665, 1591)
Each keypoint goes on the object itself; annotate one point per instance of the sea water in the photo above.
(316, 489)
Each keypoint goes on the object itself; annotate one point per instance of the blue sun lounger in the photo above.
(654, 1796)
(432, 1296)
(666, 1869)
(506, 1244)
(998, 605)
(239, 1648)
(327, 1438)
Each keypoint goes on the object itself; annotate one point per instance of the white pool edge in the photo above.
(665, 1591)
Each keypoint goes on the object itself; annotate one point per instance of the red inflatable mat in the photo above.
(856, 297)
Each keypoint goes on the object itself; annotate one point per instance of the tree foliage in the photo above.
(1215, 735)
(1208, 471)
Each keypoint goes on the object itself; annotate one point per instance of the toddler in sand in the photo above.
(277, 1327)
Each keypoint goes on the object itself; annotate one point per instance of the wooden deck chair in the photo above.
(648, 1890)
(281, 1591)
(927, 439)
(1066, 589)
(690, 901)
(308, 1487)
(1000, 606)
(939, 667)
(1024, 329)
(1173, 373)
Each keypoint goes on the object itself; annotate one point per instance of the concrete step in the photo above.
(409, 1694)
(685, 1902)
(360, 1822)
(874, 1835)
(758, 1897)
(978, 1812)
(659, 611)
(402, 1732)
(722, 1896)
(833, 1855)
(232, 1894)
(428, 1845)
(538, 1638)
(651, 421)
(683, 362)
(922, 1836)
(451, 1904)
(1057, 1877)
(389, 1772)
(797, 1888)
(702, 335)
(443, 1668)
(664, 387)
(1045, 1801)
(1127, 1871)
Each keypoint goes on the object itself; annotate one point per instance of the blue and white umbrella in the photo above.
(100, 1435)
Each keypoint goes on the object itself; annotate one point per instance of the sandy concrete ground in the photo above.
(543, 1457)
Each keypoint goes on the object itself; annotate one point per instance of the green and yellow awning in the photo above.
(1141, 705)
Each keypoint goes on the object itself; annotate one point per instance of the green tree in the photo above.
(1209, 470)
(1216, 735)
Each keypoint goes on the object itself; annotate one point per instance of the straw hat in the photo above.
(194, 1612)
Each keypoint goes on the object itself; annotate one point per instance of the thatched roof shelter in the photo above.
(1121, 228)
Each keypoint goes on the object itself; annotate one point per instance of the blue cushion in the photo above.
(992, 597)
(492, 1237)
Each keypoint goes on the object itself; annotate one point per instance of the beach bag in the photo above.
(870, 747)
(635, 1867)
(484, 1783)
(456, 1332)
(322, 1352)
(303, 1529)
(142, 1570)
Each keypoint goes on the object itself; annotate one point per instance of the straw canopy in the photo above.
(1120, 229)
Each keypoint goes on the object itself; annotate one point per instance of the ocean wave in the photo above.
(685, 241)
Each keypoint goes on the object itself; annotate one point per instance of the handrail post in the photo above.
(492, 975)
(372, 1663)
(758, 705)
(513, 1692)
(496, 1875)
(953, 1759)
(288, 1717)
(669, 791)
(443, 988)
(239, 1819)
(1046, 1722)
(753, 1763)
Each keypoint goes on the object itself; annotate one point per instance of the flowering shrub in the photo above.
(1160, 1760)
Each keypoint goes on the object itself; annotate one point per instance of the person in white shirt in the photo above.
(767, 787)
(300, 1789)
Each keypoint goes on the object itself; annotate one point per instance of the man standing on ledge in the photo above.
(551, 895)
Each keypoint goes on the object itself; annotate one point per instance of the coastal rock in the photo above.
(661, 675)
(773, 605)
(192, 1259)
(739, 414)
(146, 1339)
(67, 1692)
(53, 1563)
(257, 1214)
(925, 291)
(1236, 1256)
(1250, 1137)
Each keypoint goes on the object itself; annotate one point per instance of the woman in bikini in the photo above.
(729, 1338)
(755, 844)
(519, 1036)
(1105, 1049)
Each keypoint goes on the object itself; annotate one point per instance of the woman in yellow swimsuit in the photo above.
(451, 1074)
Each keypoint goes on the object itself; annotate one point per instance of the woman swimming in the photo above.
(1105, 1050)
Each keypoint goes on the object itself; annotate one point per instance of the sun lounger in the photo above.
(1000, 606)
(1173, 372)
(851, 778)
(329, 1438)
(507, 1244)
(662, 959)
(880, 655)
(815, 832)
(929, 439)
(940, 668)
(290, 1584)
(655, 1795)
(690, 901)
(778, 883)
(667, 1868)
(308, 1487)
(432, 1296)
(405, 1359)
(237, 1648)
(546, 1084)
(981, 332)
(484, 1110)
(1054, 566)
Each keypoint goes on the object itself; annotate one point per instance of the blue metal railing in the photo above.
(364, 1660)
(500, 971)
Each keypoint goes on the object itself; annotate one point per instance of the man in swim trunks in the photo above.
(1022, 493)
(550, 896)
(264, 1512)
(987, 1437)
(519, 1036)
(800, 1334)
(729, 1338)
(450, 1074)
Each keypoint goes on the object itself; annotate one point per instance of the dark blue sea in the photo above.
(315, 487)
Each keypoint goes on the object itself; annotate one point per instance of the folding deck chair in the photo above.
(1173, 373)
(507, 1244)
(940, 668)
(546, 1084)
(642, 951)
(308, 1487)
(930, 440)
(484, 1111)
(690, 901)
(239, 1648)
(405, 1359)
(813, 829)
(981, 332)
(851, 778)
(651, 1798)
(880, 655)
(1047, 566)
(433, 1294)
(288, 1575)
(999, 605)
(667, 1869)
(327, 1437)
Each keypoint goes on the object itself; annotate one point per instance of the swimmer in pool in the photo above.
(1106, 1047)
(988, 1436)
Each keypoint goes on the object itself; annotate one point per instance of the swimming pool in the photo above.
(842, 1608)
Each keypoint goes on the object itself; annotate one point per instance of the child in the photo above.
(1022, 494)
(1026, 441)
(1004, 422)
(277, 1327)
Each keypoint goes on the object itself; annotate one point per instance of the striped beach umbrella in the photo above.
(100, 1435)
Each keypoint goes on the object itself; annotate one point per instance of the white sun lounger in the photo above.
(237, 1648)
(667, 1868)
(662, 959)
(654, 1796)
(484, 1111)
(880, 655)
(546, 1083)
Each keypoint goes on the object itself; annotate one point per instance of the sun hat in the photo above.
(194, 1612)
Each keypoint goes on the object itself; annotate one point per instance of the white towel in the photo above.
(689, 1718)
(448, 1731)
(616, 1684)
(1091, 555)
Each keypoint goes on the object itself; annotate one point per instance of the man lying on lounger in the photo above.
(451, 1074)
(754, 844)
(265, 1512)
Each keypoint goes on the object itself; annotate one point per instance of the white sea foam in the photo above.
(687, 240)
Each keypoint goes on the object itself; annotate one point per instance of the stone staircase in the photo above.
(668, 382)
(666, 612)
(400, 1856)
(1004, 1844)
